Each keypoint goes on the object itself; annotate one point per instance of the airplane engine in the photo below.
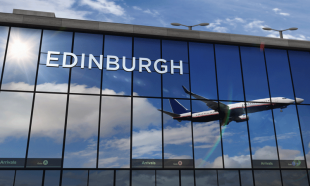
(241, 118)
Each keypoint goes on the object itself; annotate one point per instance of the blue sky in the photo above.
(229, 16)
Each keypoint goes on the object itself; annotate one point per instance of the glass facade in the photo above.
(232, 115)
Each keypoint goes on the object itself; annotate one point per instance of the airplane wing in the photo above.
(170, 113)
(211, 104)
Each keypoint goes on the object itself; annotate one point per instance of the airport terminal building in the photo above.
(86, 103)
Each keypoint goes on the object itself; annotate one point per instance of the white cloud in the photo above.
(154, 13)
(284, 14)
(289, 36)
(278, 11)
(255, 24)
(104, 6)
(136, 8)
(216, 26)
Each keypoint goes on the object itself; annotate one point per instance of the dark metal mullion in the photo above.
(240, 183)
(155, 177)
(180, 177)
(302, 139)
(281, 177)
(114, 177)
(162, 107)
(43, 178)
(245, 106)
(67, 107)
(14, 177)
(5, 54)
(218, 97)
(131, 106)
(33, 100)
(274, 125)
(217, 177)
(87, 177)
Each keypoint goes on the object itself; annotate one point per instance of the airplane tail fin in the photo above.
(177, 107)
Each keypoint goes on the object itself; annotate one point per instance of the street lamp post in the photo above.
(190, 27)
(280, 31)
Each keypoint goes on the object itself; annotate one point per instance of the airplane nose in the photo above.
(299, 100)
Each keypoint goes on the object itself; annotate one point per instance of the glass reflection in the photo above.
(187, 177)
(147, 84)
(22, 58)
(300, 66)
(208, 145)
(254, 73)
(229, 72)
(56, 41)
(3, 40)
(85, 80)
(147, 48)
(202, 67)
(122, 177)
(172, 85)
(116, 82)
(88, 44)
(294, 177)
(47, 128)
(235, 137)
(28, 178)
(147, 132)
(7, 177)
(15, 111)
(174, 50)
(167, 178)
(52, 178)
(74, 177)
(178, 150)
(246, 177)
(143, 177)
(118, 46)
(304, 118)
(82, 132)
(115, 132)
(206, 177)
(267, 177)
(101, 177)
(228, 177)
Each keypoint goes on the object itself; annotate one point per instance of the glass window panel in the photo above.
(228, 178)
(143, 177)
(147, 84)
(279, 73)
(206, 177)
(178, 152)
(187, 177)
(288, 137)
(7, 177)
(172, 85)
(246, 178)
(122, 177)
(118, 46)
(147, 48)
(174, 50)
(101, 178)
(82, 132)
(304, 118)
(202, 67)
(28, 178)
(115, 132)
(22, 58)
(85, 80)
(263, 140)
(74, 177)
(56, 41)
(88, 44)
(235, 137)
(267, 177)
(52, 178)
(116, 82)
(300, 67)
(229, 72)
(147, 133)
(3, 40)
(47, 130)
(167, 178)
(207, 139)
(254, 73)
(294, 177)
(15, 111)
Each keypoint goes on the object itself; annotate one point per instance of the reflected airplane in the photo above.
(220, 111)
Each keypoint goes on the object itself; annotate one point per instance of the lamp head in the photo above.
(176, 24)
(203, 24)
(293, 28)
(266, 28)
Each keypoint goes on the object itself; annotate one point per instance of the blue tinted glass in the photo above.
(88, 44)
(146, 48)
(43, 59)
(122, 177)
(74, 177)
(187, 177)
(206, 177)
(3, 40)
(229, 72)
(115, 132)
(167, 178)
(300, 66)
(116, 82)
(294, 177)
(202, 67)
(174, 50)
(208, 145)
(101, 178)
(143, 177)
(246, 177)
(172, 85)
(118, 46)
(7, 177)
(82, 132)
(15, 111)
(28, 178)
(147, 84)
(304, 118)
(228, 178)
(254, 73)
(56, 41)
(52, 178)
(22, 58)
(85, 80)
(279, 73)
(267, 177)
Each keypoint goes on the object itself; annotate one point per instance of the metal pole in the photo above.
(190, 27)
(281, 34)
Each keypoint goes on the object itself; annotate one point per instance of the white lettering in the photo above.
(83, 60)
(109, 62)
(132, 67)
(64, 62)
(144, 66)
(162, 66)
(49, 59)
(176, 67)
(93, 59)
